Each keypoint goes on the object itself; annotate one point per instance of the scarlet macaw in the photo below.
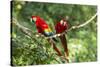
(42, 26)
(60, 27)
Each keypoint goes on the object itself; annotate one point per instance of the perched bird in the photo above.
(61, 27)
(42, 26)
(44, 29)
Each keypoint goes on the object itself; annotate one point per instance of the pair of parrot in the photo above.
(44, 29)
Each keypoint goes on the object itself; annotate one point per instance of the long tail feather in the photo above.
(55, 48)
(64, 44)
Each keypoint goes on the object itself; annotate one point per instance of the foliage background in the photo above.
(82, 42)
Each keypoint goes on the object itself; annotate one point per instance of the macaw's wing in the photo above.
(39, 29)
(61, 27)
(48, 32)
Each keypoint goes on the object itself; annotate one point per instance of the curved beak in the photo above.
(32, 21)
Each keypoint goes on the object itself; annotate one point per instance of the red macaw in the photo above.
(60, 27)
(42, 26)
(44, 29)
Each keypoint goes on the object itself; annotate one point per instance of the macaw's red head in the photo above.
(34, 19)
(61, 26)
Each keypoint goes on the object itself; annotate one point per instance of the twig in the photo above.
(82, 25)
(75, 27)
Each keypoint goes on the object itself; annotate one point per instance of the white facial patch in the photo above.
(61, 22)
(34, 18)
(64, 23)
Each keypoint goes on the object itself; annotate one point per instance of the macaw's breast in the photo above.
(60, 28)
(41, 25)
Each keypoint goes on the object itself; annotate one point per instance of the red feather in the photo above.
(61, 26)
(40, 24)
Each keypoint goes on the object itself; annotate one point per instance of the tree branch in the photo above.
(87, 22)
(75, 27)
